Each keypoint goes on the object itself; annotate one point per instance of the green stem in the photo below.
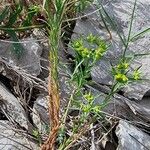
(130, 29)
(108, 97)
(3, 28)
(68, 106)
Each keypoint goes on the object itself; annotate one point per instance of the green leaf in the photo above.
(140, 34)
(14, 15)
(3, 28)
(4, 13)
(17, 47)
(103, 13)
(32, 11)
(130, 29)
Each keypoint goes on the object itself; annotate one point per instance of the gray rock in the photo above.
(40, 115)
(12, 139)
(145, 102)
(12, 107)
(15, 74)
(29, 59)
(120, 12)
(66, 87)
(131, 138)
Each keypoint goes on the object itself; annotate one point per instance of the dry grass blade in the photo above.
(55, 18)
(54, 115)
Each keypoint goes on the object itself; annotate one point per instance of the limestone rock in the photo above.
(12, 107)
(131, 138)
(40, 115)
(11, 139)
(29, 59)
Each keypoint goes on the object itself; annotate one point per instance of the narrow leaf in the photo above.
(140, 34)
(32, 11)
(14, 15)
(17, 47)
(4, 13)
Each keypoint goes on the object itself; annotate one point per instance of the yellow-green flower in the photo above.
(96, 109)
(86, 108)
(123, 66)
(98, 56)
(85, 52)
(79, 49)
(121, 78)
(77, 44)
(89, 97)
(99, 52)
(35, 133)
(136, 75)
(91, 38)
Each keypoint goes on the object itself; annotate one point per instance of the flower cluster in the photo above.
(123, 66)
(89, 97)
(121, 73)
(89, 107)
(121, 78)
(101, 46)
(95, 53)
(136, 74)
(80, 49)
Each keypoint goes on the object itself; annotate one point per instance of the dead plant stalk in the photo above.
(55, 19)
